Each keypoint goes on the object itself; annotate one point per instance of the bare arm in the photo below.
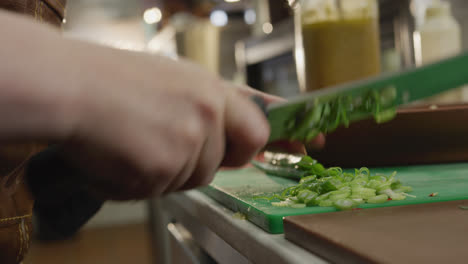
(34, 91)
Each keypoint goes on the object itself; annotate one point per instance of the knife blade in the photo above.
(406, 86)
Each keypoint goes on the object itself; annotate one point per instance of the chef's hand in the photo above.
(138, 125)
(149, 125)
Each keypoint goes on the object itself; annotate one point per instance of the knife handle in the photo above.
(260, 102)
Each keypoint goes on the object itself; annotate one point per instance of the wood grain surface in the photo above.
(424, 233)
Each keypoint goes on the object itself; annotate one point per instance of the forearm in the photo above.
(38, 86)
(35, 94)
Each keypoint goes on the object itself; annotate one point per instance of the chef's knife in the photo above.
(408, 86)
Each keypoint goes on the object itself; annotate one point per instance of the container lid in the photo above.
(438, 8)
(293, 3)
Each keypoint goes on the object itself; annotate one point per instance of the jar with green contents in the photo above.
(336, 41)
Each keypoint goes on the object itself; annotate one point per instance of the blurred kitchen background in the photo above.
(242, 40)
(245, 41)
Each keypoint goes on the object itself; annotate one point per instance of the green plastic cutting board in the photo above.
(236, 190)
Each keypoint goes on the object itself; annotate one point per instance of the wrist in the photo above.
(35, 94)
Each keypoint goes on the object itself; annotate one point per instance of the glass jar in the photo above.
(336, 41)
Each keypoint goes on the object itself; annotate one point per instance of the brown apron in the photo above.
(16, 202)
(49, 11)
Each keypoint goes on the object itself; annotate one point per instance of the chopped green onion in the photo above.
(282, 204)
(362, 192)
(340, 196)
(325, 203)
(382, 198)
(324, 115)
(345, 204)
(394, 195)
(333, 187)
(358, 201)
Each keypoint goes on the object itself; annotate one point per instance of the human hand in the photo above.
(138, 125)
(147, 126)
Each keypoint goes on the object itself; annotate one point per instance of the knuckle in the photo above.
(161, 166)
(193, 132)
(207, 109)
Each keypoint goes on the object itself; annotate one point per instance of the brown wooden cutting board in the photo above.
(424, 233)
(418, 135)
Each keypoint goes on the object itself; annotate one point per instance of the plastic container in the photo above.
(439, 37)
(336, 41)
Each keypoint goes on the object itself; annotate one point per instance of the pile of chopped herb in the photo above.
(320, 186)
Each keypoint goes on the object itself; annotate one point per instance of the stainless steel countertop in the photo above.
(229, 239)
